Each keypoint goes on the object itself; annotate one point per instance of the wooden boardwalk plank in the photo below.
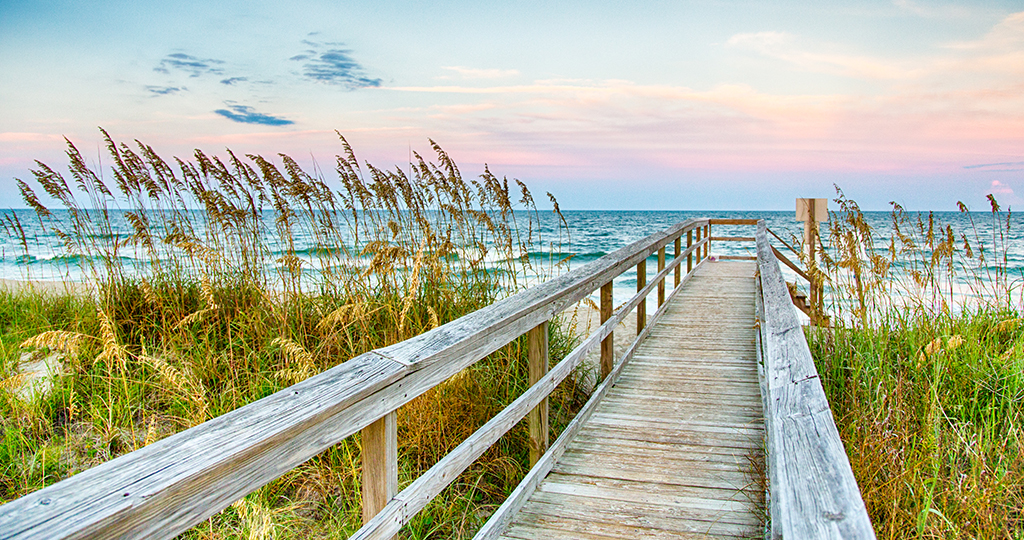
(675, 449)
(649, 493)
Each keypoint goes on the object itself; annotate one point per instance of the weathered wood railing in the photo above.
(814, 282)
(813, 493)
(163, 489)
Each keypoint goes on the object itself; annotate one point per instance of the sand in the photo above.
(35, 373)
(585, 320)
(46, 287)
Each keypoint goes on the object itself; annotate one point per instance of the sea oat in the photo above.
(69, 343)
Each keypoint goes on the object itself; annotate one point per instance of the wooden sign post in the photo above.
(812, 211)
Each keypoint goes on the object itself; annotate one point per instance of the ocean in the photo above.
(591, 234)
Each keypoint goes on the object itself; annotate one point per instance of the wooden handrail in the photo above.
(500, 519)
(732, 238)
(813, 491)
(791, 266)
(731, 221)
(417, 495)
(779, 238)
(163, 489)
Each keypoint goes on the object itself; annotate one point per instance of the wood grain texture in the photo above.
(661, 282)
(731, 238)
(404, 506)
(608, 345)
(641, 308)
(537, 421)
(730, 221)
(700, 234)
(380, 464)
(707, 244)
(163, 489)
(813, 491)
(500, 520)
(791, 266)
(689, 256)
(673, 448)
(678, 244)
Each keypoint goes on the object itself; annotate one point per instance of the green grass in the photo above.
(927, 390)
(933, 431)
(223, 317)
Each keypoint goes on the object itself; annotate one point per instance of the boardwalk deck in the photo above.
(675, 449)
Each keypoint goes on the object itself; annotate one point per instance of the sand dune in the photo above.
(46, 287)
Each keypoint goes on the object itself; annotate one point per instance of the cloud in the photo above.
(189, 64)
(993, 61)
(818, 57)
(727, 126)
(473, 73)
(247, 115)
(233, 80)
(760, 40)
(999, 188)
(1003, 167)
(1000, 51)
(164, 90)
(331, 64)
(934, 11)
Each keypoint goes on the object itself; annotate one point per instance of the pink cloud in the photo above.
(737, 127)
(1004, 194)
(930, 113)
(999, 188)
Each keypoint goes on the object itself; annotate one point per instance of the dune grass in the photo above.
(924, 371)
(255, 277)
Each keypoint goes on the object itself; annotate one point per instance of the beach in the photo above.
(584, 320)
(46, 287)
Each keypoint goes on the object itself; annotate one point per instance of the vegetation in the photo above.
(255, 277)
(924, 370)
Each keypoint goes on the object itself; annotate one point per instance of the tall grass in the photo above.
(924, 370)
(255, 276)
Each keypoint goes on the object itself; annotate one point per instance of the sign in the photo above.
(808, 207)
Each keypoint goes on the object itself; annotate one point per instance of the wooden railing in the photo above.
(813, 493)
(167, 487)
(814, 309)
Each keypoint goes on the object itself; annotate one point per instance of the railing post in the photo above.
(380, 464)
(707, 234)
(608, 344)
(641, 308)
(689, 257)
(811, 211)
(698, 250)
(538, 417)
(679, 268)
(661, 283)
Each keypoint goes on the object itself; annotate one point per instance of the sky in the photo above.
(677, 105)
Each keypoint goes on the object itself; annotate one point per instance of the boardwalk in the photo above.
(675, 448)
(670, 445)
